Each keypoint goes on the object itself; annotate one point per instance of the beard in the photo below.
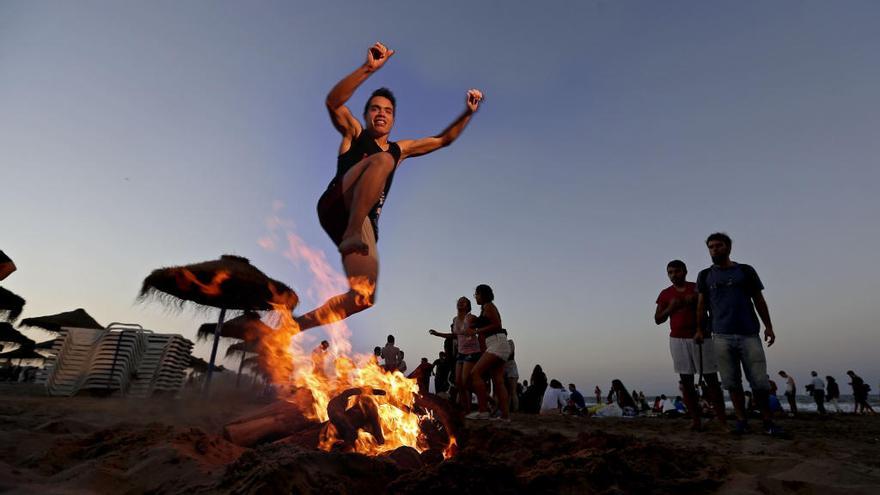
(718, 259)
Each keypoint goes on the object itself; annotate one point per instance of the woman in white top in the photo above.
(469, 349)
(491, 363)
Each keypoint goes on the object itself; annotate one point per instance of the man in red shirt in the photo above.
(678, 304)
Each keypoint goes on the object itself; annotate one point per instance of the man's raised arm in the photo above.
(419, 147)
(342, 118)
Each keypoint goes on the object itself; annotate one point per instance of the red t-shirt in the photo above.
(683, 321)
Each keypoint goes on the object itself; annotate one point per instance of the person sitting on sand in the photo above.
(350, 207)
(577, 403)
(619, 395)
(469, 350)
(535, 391)
(555, 398)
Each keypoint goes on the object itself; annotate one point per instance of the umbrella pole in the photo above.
(214, 349)
(240, 366)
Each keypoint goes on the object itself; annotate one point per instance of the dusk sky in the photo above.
(614, 137)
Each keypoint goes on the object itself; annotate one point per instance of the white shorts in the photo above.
(498, 345)
(686, 356)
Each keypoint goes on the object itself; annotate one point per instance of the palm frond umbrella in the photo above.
(78, 318)
(11, 305)
(247, 327)
(244, 348)
(22, 353)
(200, 365)
(229, 283)
(10, 335)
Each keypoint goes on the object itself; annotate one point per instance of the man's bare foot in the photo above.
(353, 244)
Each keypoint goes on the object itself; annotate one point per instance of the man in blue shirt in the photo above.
(731, 292)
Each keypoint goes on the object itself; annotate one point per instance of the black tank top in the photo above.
(362, 147)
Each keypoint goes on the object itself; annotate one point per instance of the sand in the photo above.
(165, 445)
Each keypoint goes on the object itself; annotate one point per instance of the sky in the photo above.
(614, 137)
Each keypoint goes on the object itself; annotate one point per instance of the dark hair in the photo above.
(325, 342)
(485, 291)
(677, 264)
(391, 339)
(720, 236)
(377, 350)
(385, 93)
(554, 383)
(469, 307)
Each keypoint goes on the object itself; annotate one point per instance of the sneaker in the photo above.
(477, 415)
(740, 427)
(775, 431)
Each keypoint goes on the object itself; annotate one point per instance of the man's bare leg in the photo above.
(362, 187)
(362, 272)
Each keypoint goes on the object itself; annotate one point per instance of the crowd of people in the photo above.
(714, 340)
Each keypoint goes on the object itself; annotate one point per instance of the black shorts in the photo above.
(332, 212)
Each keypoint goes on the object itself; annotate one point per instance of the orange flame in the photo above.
(186, 278)
(289, 364)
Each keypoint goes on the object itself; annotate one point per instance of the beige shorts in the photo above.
(498, 345)
(686, 356)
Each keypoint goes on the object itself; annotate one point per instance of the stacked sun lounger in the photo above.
(162, 368)
(118, 360)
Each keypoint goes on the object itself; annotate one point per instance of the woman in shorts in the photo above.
(469, 349)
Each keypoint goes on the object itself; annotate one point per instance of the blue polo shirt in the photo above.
(728, 293)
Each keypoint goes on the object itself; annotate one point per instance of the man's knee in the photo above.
(382, 160)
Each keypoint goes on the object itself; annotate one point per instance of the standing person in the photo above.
(469, 349)
(422, 375)
(377, 356)
(350, 207)
(817, 390)
(391, 355)
(860, 391)
(678, 304)
(511, 378)
(401, 364)
(536, 390)
(790, 392)
(441, 368)
(319, 355)
(598, 393)
(491, 363)
(732, 293)
(832, 393)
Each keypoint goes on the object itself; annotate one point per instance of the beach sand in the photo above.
(164, 445)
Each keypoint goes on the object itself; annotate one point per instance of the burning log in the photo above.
(449, 422)
(270, 423)
(346, 421)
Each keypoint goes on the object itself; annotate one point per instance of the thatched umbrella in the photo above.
(228, 283)
(11, 305)
(11, 335)
(52, 323)
(22, 353)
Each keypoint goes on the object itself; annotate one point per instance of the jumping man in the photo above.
(349, 209)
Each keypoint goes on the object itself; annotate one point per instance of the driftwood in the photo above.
(270, 423)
